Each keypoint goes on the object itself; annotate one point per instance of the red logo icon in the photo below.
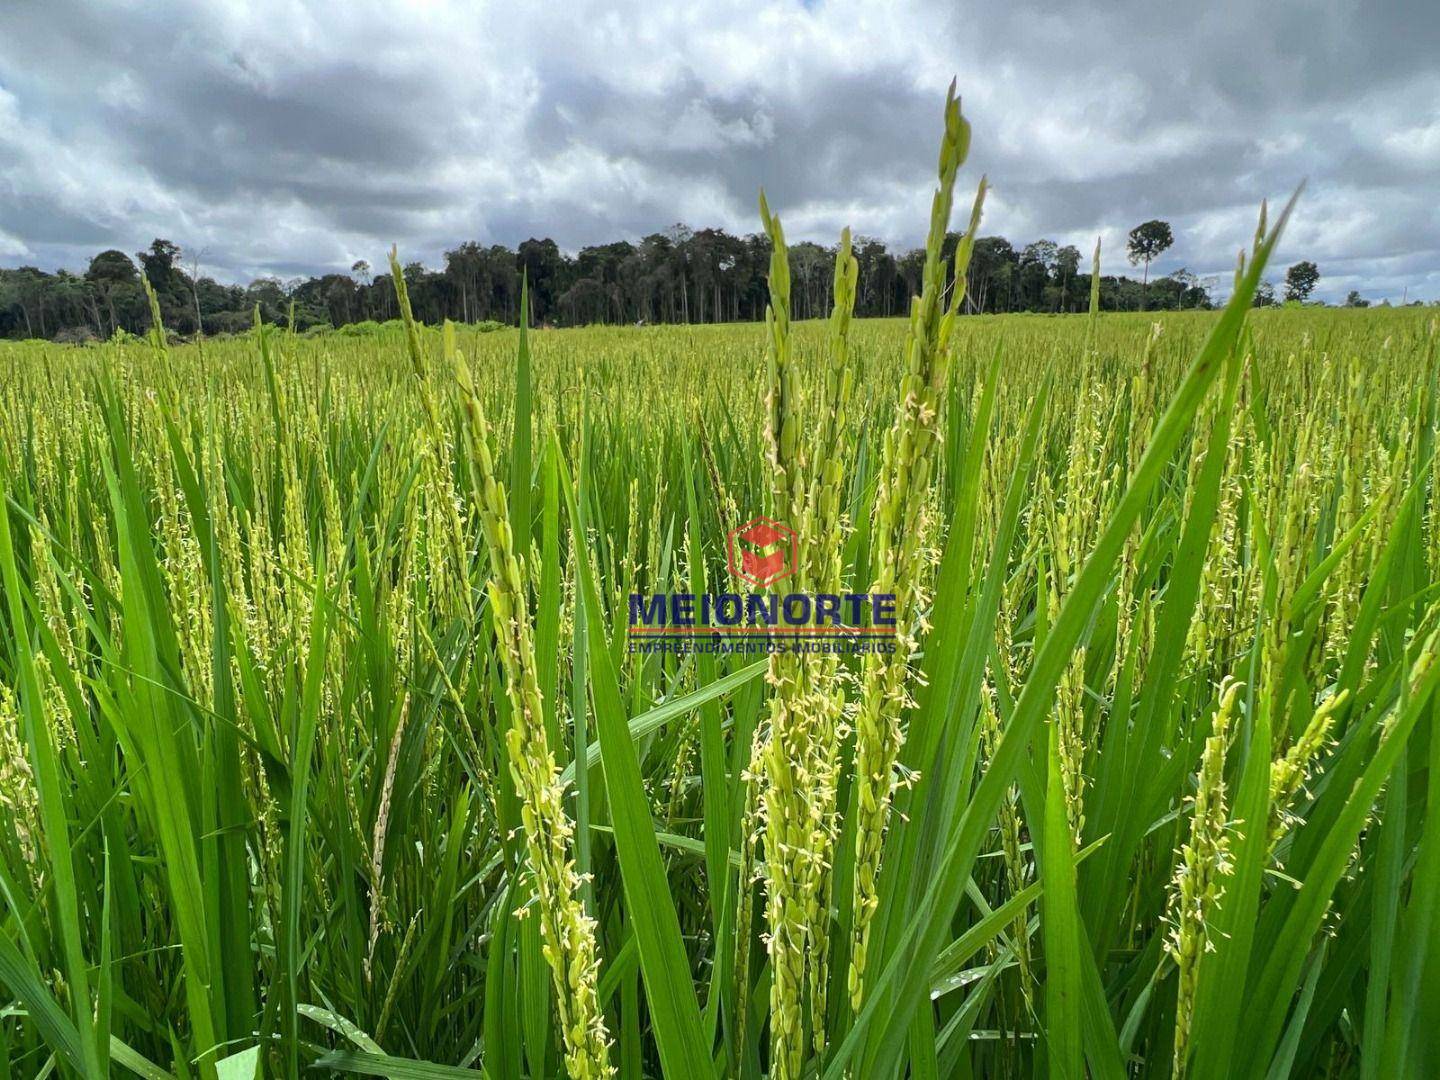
(761, 551)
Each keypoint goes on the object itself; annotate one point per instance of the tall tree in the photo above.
(543, 264)
(1067, 265)
(158, 262)
(1148, 241)
(1036, 261)
(1300, 280)
(992, 266)
(116, 283)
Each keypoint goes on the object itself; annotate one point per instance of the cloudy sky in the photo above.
(294, 138)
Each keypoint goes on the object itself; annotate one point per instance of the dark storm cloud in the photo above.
(293, 138)
(848, 134)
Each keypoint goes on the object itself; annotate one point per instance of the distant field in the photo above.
(329, 741)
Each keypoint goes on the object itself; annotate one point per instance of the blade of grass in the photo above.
(895, 1004)
(302, 750)
(1061, 926)
(679, 1034)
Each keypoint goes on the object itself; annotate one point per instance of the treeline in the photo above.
(676, 276)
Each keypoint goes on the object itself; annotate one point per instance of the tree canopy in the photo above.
(676, 275)
(1300, 280)
(1147, 242)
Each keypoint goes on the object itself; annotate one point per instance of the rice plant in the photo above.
(329, 744)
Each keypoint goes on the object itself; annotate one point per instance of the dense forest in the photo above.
(676, 276)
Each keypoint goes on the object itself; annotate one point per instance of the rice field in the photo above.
(329, 748)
